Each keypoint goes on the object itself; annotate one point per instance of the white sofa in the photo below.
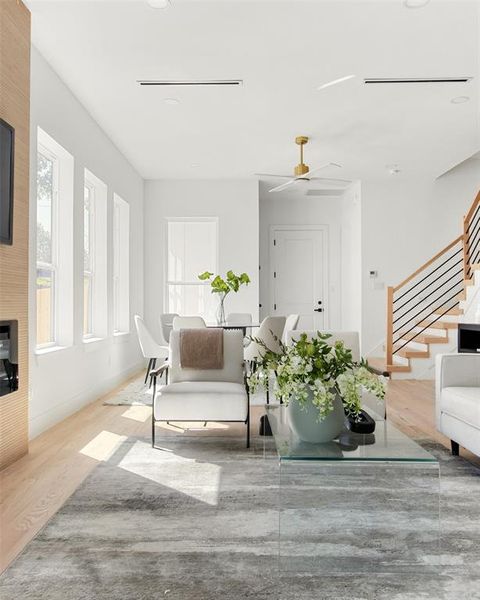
(457, 401)
(204, 395)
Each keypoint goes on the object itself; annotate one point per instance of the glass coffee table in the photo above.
(359, 504)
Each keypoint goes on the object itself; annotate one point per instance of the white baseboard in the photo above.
(64, 409)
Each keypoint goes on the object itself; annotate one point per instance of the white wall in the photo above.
(234, 203)
(404, 223)
(351, 256)
(295, 208)
(62, 381)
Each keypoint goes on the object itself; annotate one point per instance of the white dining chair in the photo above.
(291, 323)
(270, 333)
(166, 324)
(151, 349)
(188, 323)
(239, 319)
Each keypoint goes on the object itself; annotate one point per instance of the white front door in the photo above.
(299, 275)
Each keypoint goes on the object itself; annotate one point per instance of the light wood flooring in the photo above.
(37, 485)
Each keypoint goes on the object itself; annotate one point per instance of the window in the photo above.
(47, 194)
(191, 250)
(95, 308)
(54, 244)
(88, 254)
(121, 265)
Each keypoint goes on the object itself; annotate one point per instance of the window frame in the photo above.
(198, 283)
(89, 273)
(120, 268)
(52, 267)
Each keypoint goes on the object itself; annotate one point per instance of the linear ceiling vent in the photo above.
(189, 82)
(418, 80)
(324, 192)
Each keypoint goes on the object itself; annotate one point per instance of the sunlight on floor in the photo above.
(198, 480)
(138, 412)
(103, 445)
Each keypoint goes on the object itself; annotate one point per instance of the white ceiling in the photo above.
(283, 50)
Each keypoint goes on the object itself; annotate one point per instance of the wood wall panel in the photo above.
(15, 109)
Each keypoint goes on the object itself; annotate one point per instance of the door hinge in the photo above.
(274, 242)
(274, 307)
(274, 274)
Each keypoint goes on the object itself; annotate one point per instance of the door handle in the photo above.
(318, 310)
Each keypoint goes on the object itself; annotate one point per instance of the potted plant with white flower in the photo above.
(320, 384)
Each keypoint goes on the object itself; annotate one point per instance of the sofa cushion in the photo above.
(201, 401)
(462, 403)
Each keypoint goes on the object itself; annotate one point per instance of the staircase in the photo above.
(423, 311)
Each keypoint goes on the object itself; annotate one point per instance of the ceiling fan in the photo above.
(302, 171)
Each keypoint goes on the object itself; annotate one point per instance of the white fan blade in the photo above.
(330, 164)
(282, 186)
(330, 179)
(272, 175)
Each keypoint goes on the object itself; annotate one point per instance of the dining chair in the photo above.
(291, 323)
(188, 323)
(150, 348)
(270, 333)
(166, 324)
(239, 319)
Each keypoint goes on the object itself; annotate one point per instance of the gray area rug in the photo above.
(198, 519)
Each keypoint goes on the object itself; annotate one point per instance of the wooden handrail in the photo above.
(428, 263)
(472, 210)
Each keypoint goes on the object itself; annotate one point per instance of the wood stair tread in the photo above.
(438, 324)
(407, 352)
(453, 312)
(431, 339)
(398, 368)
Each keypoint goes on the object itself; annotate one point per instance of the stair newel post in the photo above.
(390, 291)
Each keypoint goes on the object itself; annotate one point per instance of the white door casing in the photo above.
(299, 274)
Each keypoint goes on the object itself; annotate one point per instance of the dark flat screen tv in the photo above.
(7, 151)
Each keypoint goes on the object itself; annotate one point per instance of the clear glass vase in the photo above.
(220, 316)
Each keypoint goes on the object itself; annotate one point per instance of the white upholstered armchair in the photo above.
(204, 394)
(457, 402)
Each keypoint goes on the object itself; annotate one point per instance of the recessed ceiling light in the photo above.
(393, 169)
(459, 99)
(158, 3)
(195, 165)
(415, 3)
(335, 81)
(172, 101)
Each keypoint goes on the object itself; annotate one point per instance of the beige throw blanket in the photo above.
(201, 348)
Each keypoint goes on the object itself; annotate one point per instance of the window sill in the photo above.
(48, 350)
(92, 340)
(92, 344)
(121, 337)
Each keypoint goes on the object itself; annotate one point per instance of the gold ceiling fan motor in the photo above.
(301, 168)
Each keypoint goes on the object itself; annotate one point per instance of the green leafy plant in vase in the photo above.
(320, 384)
(223, 287)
